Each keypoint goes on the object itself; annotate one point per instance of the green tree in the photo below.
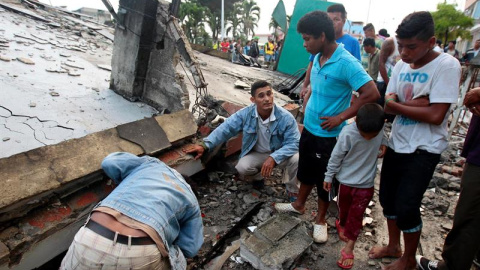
(234, 20)
(191, 15)
(273, 25)
(250, 16)
(213, 21)
(451, 23)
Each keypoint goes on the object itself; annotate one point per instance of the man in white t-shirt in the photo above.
(420, 92)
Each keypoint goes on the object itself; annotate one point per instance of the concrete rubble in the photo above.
(276, 243)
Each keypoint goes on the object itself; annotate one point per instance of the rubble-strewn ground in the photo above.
(41, 104)
(224, 201)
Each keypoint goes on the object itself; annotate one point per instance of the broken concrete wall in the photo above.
(145, 56)
(127, 52)
(163, 86)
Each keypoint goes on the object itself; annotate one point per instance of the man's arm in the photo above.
(306, 81)
(335, 162)
(231, 127)
(290, 142)
(432, 114)
(472, 101)
(368, 93)
(387, 49)
(190, 237)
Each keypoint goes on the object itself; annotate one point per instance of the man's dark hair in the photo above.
(258, 84)
(439, 42)
(315, 23)
(338, 8)
(418, 25)
(370, 118)
(369, 26)
(369, 42)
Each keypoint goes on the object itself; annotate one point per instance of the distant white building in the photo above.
(98, 15)
(472, 9)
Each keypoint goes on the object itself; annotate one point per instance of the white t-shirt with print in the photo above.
(439, 80)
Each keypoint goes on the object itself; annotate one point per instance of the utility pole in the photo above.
(368, 14)
(223, 21)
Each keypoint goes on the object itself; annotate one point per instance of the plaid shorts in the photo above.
(92, 251)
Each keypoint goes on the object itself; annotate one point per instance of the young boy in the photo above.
(354, 163)
(421, 90)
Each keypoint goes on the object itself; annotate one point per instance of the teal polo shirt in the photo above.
(332, 87)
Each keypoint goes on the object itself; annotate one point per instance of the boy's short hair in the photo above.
(369, 42)
(418, 25)
(439, 42)
(315, 23)
(370, 118)
(338, 8)
(369, 26)
(258, 84)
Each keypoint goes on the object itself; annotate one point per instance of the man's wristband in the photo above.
(388, 100)
(202, 144)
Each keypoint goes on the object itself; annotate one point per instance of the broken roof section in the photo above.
(55, 80)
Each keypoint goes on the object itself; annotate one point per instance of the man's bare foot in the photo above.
(403, 263)
(382, 252)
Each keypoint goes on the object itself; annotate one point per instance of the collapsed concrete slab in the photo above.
(276, 244)
(49, 191)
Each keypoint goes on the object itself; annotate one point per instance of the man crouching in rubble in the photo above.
(270, 138)
(151, 220)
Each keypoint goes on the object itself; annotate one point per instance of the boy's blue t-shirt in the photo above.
(349, 43)
(332, 87)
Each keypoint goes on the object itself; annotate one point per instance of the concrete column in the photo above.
(132, 47)
(145, 56)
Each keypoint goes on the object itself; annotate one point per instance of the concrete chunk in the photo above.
(4, 253)
(276, 244)
(25, 60)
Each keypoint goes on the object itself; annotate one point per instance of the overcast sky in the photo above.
(382, 13)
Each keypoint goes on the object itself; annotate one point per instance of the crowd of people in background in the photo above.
(270, 50)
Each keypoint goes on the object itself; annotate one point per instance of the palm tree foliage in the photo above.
(234, 20)
(192, 15)
(250, 16)
(241, 18)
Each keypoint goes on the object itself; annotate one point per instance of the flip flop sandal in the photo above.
(286, 208)
(340, 230)
(345, 256)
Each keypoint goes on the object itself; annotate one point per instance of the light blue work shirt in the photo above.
(332, 87)
(284, 134)
(156, 195)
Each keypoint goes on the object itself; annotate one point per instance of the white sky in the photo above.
(382, 13)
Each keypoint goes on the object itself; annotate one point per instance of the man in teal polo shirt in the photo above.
(335, 72)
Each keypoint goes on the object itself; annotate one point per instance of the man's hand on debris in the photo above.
(472, 101)
(267, 167)
(383, 151)
(327, 186)
(194, 148)
(331, 122)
